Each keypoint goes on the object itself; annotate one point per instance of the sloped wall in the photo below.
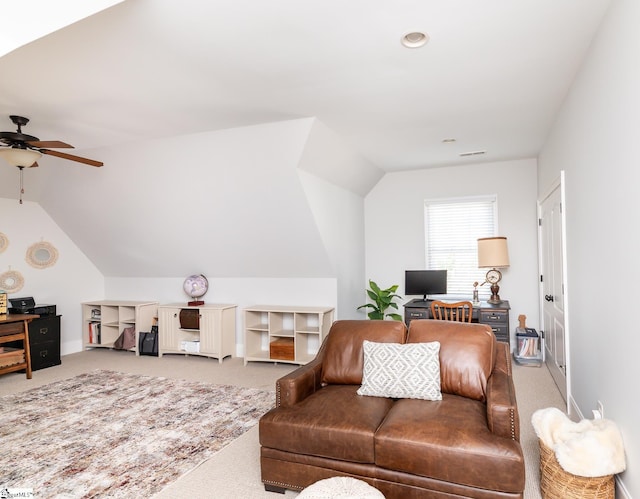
(226, 203)
(70, 281)
(327, 156)
(234, 205)
(339, 215)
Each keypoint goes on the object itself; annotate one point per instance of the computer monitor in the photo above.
(425, 282)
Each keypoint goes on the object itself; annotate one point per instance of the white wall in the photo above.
(394, 224)
(339, 215)
(70, 281)
(595, 140)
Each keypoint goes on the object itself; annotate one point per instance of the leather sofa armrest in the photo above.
(502, 408)
(299, 384)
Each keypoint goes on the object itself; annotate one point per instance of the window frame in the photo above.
(479, 276)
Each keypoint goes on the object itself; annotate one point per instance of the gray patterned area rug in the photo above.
(109, 434)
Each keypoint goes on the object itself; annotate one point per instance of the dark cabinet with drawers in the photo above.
(495, 315)
(498, 318)
(44, 341)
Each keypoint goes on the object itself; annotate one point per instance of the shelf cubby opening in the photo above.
(307, 323)
(257, 320)
(127, 314)
(281, 324)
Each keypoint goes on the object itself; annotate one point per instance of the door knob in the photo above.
(548, 297)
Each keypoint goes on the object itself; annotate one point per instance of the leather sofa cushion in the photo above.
(467, 354)
(449, 440)
(334, 422)
(344, 358)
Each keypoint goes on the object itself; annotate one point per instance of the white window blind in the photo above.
(452, 229)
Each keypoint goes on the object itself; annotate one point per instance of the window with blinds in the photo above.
(452, 229)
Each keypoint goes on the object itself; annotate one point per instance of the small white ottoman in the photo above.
(342, 487)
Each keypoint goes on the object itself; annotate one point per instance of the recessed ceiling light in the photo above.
(415, 39)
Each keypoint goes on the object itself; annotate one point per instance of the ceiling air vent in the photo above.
(473, 153)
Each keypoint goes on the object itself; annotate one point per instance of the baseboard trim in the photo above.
(621, 491)
(574, 411)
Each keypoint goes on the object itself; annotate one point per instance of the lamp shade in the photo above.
(493, 252)
(19, 157)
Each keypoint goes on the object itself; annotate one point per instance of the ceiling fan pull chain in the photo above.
(21, 182)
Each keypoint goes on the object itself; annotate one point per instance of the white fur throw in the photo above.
(589, 448)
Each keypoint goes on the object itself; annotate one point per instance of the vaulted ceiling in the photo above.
(207, 113)
(492, 75)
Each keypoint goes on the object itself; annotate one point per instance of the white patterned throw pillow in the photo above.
(397, 370)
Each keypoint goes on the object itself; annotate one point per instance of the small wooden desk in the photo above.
(15, 327)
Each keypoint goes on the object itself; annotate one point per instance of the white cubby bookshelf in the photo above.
(104, 320)
(295, 332)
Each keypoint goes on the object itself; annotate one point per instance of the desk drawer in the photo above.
(44, 329)
(45, 355)
(11, 328)
(499, 322)
(416, 313)
(493, 316)
(501, 332)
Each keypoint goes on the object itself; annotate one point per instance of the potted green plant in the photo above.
(382, 300)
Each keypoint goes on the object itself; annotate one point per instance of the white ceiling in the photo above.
(50, 17)
(492, 76)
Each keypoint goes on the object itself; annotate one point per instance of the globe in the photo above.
(196, 286)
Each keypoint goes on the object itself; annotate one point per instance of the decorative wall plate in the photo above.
(42, 255)
(4, 242)
(11, 281)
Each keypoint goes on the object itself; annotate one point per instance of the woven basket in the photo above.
(556, 483)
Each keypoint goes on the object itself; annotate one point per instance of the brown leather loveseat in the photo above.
(464, 445)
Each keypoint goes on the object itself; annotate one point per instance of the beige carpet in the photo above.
(235, 470)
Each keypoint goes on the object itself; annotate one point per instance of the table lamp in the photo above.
(493, 254)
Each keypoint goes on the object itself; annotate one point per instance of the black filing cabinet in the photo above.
(44, 341)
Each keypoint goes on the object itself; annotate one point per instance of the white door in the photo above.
(552, 288)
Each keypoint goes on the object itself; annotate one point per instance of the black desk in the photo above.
(495, 315)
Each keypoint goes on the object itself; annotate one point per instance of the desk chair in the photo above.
(460, 311)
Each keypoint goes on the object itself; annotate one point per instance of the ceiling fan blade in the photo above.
(71, 157)
(49, 143)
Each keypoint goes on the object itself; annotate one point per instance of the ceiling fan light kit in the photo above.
(15, 156)
(23, 151)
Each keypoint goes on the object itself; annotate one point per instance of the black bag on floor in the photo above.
(149, 342)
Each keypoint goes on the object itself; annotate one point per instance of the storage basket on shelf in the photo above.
(556, 483)
(11, 356)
